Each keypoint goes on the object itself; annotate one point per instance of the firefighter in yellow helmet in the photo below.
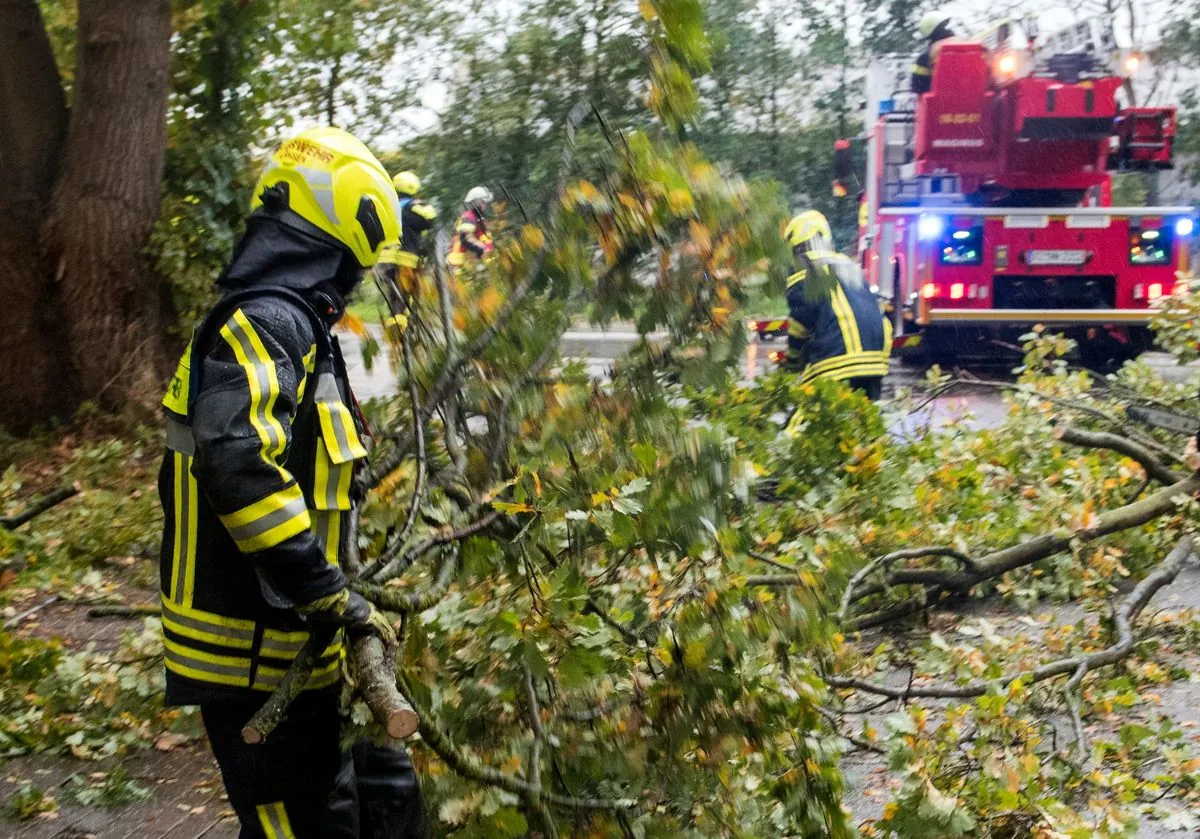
(471, 239)
(836, 329)
(263, 439)
(933, 28)
(399, 264)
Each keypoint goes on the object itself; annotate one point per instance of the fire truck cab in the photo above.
(988, 200)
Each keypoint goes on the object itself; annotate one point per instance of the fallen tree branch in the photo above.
(1125, 427)
(1079, 665)
(375, 676)
(1025, 553)
(470, 767)
(890, 558)
(269, 716)
(1133, 450)
(117, 610)
(38, 507)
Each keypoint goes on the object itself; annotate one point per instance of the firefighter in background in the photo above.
(836, 329)
(399, 264)
(933, 28)
(471, 238)
(263, 439)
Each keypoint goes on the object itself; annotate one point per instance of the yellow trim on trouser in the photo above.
(183, 565)
(274, 820)
(866, 363)
(846, 322)
(269, 521)
(262, 382)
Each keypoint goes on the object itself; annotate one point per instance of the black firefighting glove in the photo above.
(350, 610)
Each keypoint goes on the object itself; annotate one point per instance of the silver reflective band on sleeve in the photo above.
(250, 531)
(257, 366)
(327, 389)
(180, 438)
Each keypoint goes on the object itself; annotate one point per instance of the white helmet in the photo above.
(931, 21)
(479, 195)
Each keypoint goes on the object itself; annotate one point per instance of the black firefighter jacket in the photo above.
(836, 329)
(262, 442)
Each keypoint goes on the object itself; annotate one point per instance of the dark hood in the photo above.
(290, 253)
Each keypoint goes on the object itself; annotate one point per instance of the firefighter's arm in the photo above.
(252, 381)
(423, 216)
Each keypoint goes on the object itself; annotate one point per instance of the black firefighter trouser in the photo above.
(300, 784)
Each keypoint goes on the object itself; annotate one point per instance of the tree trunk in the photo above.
(33, 123)
(106, 200)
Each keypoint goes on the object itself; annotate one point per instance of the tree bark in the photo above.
(106, 200)
(33, 124)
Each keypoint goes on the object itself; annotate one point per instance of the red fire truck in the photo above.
(988, 200)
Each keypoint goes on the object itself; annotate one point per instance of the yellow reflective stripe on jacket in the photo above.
(867, 363)
(323, 675)
(799, 277)
(331, 481)
(206, 667)
(269, 521)
(887, 337)
(464, 226)
(327, 527)
(337, 423)
(919, 70)
(274, 821)
(262, 381)
(310, 363)
(208, 627)
(176, 397)
(796, 329)
(846, 322)
(286, 645)
(183, 552)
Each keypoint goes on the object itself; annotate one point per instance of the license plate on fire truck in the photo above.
(1071, 257)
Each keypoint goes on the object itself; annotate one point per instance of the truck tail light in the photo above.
(929, 290)
(1154, 291)
(957, 291)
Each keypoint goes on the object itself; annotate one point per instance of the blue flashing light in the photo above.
(930, 227)
(1184, 227)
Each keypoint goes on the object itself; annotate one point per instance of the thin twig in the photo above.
(269, 716)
